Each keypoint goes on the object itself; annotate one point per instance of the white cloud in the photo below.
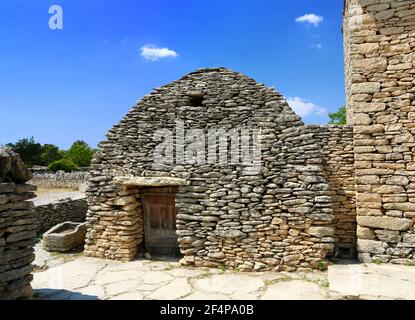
(152, 53)
(310, 18)
(305, 108)
(318, 46)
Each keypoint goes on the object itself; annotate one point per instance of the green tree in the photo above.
(80, 153)
(338, 117)
(64, 165)
(30, 151)
(51, 153)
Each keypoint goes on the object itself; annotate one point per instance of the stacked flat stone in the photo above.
(379, 56)
(17, 228)
(281, 218)
(115, 225)
(338, 170)
(50, 214)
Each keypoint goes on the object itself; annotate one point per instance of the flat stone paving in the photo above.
(75, 277)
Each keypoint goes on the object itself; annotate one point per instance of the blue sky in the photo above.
(63, 85)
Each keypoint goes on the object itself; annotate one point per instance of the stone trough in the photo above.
(64, 236)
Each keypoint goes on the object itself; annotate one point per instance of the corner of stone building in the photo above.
(379, 38)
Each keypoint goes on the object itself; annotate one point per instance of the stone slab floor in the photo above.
(75, 277)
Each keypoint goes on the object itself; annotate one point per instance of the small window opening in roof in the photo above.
(196, 100)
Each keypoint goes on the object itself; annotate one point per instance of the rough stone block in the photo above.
(365, 233)
(64, 237)
(388, 236)
(320, 232)
(365, 87)
(370, 246)
(390, 223)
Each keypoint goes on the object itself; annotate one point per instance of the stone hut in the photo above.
(217, 168)
(271, 193)
(379, 42)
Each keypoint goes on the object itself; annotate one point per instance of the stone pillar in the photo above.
(17, 228)
(115, 225)
(379, 38)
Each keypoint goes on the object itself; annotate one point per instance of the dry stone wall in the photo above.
(17, 228)
(379, 38)
(50, 214)
(280, 218)
(337, 149)
(60, 179)
(114, 220)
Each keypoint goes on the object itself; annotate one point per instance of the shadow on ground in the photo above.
(346, 262)
(60, 294)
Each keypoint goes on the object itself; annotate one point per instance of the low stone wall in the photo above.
(60, 179)
(50, 214)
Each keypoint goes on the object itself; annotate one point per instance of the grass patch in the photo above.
(222, 267)
(322, 265)
(284, 278)
(39, 269)
(324, 283)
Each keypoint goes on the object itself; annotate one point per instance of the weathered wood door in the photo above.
(160, 221)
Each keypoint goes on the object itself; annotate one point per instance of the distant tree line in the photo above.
(35, 154)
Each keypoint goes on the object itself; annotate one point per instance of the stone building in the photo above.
(215, 191)
(286, 201)
(379, 42)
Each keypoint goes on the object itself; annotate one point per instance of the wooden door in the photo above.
(160, 212)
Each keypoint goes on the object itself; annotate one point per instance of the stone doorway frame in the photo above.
(129, 201)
